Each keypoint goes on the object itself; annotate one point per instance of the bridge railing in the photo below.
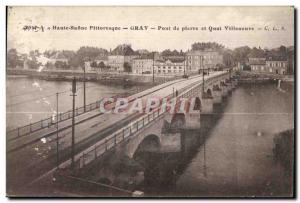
(47, 122)
(121, 135)
(50, 121)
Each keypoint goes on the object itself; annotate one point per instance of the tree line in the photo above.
(86, 53)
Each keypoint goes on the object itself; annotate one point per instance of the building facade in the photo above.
(197, 60)
(277, 66)
(170, 67)
(119, 56)
(270, 65)
(142, 65)
(257, 64)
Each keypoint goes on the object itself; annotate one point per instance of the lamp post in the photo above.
(57, 138)
(84, 96)
(73, 124)
(153, 68)
(184, 65)
(202, 75)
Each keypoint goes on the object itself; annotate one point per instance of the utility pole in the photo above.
(153, 68)
(184, 65)
(57, 140)
(84, 88)
(202, 75)
(73, 124)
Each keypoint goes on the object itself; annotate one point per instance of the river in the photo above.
(234, 157)
(31, 99)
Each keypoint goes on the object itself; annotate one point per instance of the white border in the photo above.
(3, 3)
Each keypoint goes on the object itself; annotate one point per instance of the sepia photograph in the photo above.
(150, 101)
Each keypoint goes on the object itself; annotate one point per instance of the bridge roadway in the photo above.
(32, 157)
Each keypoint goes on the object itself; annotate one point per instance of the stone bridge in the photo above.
(159, 130)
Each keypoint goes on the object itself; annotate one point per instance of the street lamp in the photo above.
(153, 68)
(73, 124)
(202, 64)
(184, 64)
(84, 96)
(57, 138)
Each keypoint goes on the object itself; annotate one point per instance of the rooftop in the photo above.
(256, 53)
(123, 50)
(276, 58)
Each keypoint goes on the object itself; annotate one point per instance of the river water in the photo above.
(31, 99)
(234, 157)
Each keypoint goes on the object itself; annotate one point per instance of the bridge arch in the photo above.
(178, 121)
(216, 87)
(149, 143)
(222, 83)
(209, 93)
(198, 104)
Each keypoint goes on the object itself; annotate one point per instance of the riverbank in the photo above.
(249, 77)
(106, 78)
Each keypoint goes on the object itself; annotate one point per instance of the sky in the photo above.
(281, 18)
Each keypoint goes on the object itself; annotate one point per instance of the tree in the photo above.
(94, 64)
(101, 65)
(49, 65)
(61, 65)
(228, 58)
(87, 53)
(12, 58)
(240, 54)
(202, 46)
(33, 64)
(127, 67)
(168, 52)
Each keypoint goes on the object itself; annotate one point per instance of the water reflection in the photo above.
(232, 154)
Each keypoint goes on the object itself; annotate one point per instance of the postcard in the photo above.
(150, 101)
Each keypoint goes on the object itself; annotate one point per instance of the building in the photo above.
(59, 57)
(120, 55)
(258, 66)
(259, 63)
(257, 60)
(277, 65)
(197, 60)
(143, 65)
(291, 60)
(170, 67)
